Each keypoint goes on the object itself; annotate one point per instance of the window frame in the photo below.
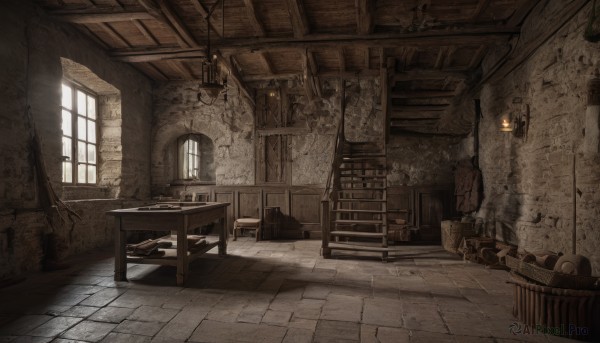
(183, 158)
(75, 134)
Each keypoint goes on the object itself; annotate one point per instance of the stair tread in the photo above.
(357, 247)
(361, 199)
(362, 158)
(346, 210)
(364, 176)
(362, 189)
(357, 221)
(356, 234)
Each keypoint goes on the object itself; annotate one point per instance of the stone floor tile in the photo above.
(153, 314)
(24, 324)
(88, 331)
(473, 339)
(316, 291)
(368, 334)
(277, 318)
(31, 339)
(382, 312)
(139, 328)
(423, 317)
(301, 323)
(336, 331)
(308, 308)
(295, 335)
(111, 314)
(80, 311)
(115, 337)
(54, 326)
(417, 336)
(183, 324)
(393, 335)
(212, 331)
(342, 308)
(103, 297)
(134, 298)
(467, 324)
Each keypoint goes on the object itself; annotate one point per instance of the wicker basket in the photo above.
(549, 277)
(453, 232)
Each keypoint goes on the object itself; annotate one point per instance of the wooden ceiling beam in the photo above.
(477, 57)
(449, 56)
(177, 23)
(253, 16)
(439, 61)
(481, 7)
(158, 55)
(267, 62)
(268, 77)
(235, 76)
(364, 16)
(182, 69)
(298, 18)
(204, 13)
(307, 77)
(114, 34)
(398, 115)
(516, 19)
(144, 31)
(422, 94)
(103, 17)
(418, 108)
(411, 75)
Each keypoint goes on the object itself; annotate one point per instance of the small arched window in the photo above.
(196, 158)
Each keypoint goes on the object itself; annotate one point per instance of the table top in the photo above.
(169, 208)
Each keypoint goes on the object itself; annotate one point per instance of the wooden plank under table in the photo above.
(179, 221)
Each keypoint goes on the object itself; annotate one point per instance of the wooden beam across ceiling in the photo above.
(159, 54)
(316, 41)
(89, 17)
(364, 16)
(253, 16)
(313, 73)
(171, 21)
(298, 18)
(421, 94)
(204, 13)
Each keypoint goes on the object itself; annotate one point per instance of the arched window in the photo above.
(196, 158)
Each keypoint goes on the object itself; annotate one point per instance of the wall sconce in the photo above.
(505, 126)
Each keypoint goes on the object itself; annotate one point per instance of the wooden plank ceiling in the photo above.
(429, 50)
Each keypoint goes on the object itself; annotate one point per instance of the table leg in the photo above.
(120, 262)
(182, 257)
(223, 233)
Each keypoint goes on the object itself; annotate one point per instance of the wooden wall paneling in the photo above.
(249, 203)
(305, 211)
(401, 199)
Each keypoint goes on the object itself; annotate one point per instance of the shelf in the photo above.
(170, 256)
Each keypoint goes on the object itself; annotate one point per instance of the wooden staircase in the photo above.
(357, 218)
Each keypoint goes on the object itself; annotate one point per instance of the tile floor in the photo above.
(267, 292)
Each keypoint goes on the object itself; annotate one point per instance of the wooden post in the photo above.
(223, 233)
(574, 229)
(325, 229)
(182, 249)
(120, 257)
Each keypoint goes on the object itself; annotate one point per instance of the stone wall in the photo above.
(427, 160)
(528, 181)
(230, 126)
(31, 51)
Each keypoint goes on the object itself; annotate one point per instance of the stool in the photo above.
(246, 223)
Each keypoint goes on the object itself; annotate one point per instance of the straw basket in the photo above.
(453, 232)
(549, 277)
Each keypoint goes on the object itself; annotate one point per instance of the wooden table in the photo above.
(179, 221)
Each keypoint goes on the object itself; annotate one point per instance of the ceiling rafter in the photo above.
(264, 56)
(114, 34)
(298, 17)
(204, 13)
(254, 20)
(481, 7)
(97, 16)
(159, 15)
(144, 31)
(313, 73)
(364, 16)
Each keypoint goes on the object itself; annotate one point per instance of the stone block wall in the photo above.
(528, 181)
(230, 125)
(33, 47)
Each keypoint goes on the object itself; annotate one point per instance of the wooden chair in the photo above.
(247, 224)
